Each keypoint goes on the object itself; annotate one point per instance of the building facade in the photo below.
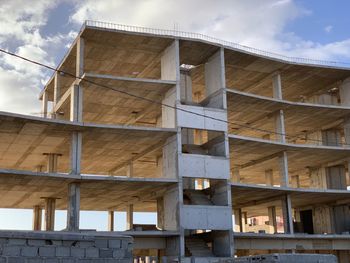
(238, 153)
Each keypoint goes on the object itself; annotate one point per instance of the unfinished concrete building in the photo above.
(237, 153)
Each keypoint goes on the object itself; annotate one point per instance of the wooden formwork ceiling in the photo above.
(255, 156)
(251, 73)
(25, 190)
(24, 140)
(256, 199)
(254, 115)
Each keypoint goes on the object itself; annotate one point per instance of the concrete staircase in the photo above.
(198, 197)
(197, 247)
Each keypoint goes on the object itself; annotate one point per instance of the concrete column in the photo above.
(76, 103)
(238, 219)
(277, 86)
(130, 169)
(129, 217)
(245, 220)
(295, 181)
(185, 86)
(110, 220)
(269, 177)
(160, 213)
(49, 219)
(44, 104)
(37, 216)
(75, 152)
(169, 62)
(52, 162)
(287, 214)
(236, 175)
(56, 89)
(73, 210)
(80, 57)
(272, 218)
(280, 132)
(283, 164)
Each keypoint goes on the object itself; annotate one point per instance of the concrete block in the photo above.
(51, 260)
(120, 253)
(3, 241)
(101, 243)
(92, 252)
(34, 260)
(36, 242)
(68, 260)
(85, 244)
(77, 252)
(29, 251)
(114, 243)
(16, 260)
(106, 253)
(17, 241)
(2, 260)
(63, 251)
(68, 243)
(57, 242)
(11, 250)
(47, 251)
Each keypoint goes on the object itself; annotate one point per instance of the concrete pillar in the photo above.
(236, 175)
(215, 79)
(75, 152)
(344, 92)
(37, 218)
(49, 219)
(56, 89)
(44, 104)
(130, 169)
(80, 57)
(73, 210)
(76, 103)
(170, 62)
(295, 181)
(283, 169)
(160, 213)
(269, 177)
(277, 86)
(245, 220)
(287, 214)
(52, 162)
(238, 219)
(280, 132)
(185, 86)
(110, 220)
(129, 217)
(272, 218)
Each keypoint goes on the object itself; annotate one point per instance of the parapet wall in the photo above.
(63, 247)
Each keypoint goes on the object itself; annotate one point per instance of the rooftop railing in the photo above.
(227, 44)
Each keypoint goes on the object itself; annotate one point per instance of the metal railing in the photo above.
(213, 40)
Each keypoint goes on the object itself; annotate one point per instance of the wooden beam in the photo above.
(111, 220)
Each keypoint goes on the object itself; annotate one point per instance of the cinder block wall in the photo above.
(61, 247)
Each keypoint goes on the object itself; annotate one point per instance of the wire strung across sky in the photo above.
(155, 102)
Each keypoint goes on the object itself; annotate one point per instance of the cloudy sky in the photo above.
(43, 30)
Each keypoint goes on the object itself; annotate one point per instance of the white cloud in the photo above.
(328, 29)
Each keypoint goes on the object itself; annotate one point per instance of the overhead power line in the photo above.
(152, 101)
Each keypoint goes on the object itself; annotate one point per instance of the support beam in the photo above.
(272, 218)
(49, 219)
(277, 86)
(52, 162)
(238, 219)
(76, 103)
(73, 210)
(44, 104)
(111, 220)
(80, 57)
(160, 213)
(56, 89)
(287, 214)
(37, 217)
(280, 131)
(169, 62)
(269, 177)
(75, 152)
(129, 217)
(283, 165)
(130, 169)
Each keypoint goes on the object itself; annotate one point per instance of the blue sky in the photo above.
(43, 30)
